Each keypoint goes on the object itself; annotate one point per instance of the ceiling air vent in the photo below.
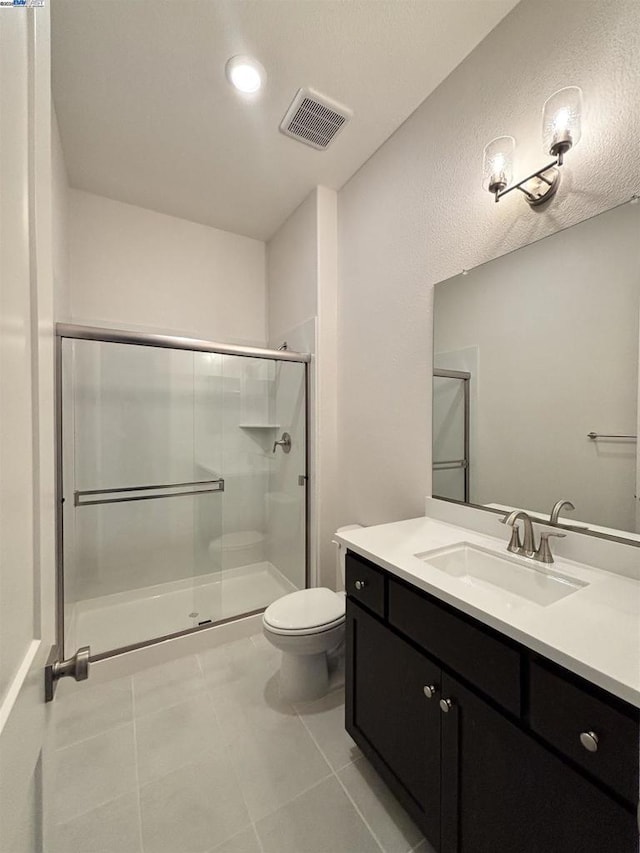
(314, 119)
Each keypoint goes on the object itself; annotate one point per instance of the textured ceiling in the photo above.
(146, 115)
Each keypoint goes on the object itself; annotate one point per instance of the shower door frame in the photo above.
(93, 333)
(465, 377)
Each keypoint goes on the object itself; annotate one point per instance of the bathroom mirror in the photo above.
(536, 392)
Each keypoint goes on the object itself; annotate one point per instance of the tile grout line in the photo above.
(357, 809)
(315, 742)
(106, 802)
(258, 839)
(95, 808)
(304, 790)
(205, 693)
(339, 780)
(297, 797)
(95, 735)
(135, 751)
(226, 750)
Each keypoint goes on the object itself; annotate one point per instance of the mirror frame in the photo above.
(536, 516)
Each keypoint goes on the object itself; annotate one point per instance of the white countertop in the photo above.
(594, 632)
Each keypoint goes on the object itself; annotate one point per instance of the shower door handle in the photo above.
(125, 494)
(284, 443)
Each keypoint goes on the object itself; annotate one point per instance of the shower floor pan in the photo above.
(136, 616)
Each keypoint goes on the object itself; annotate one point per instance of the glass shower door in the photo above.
(184, 486)
(136, 496)
(451, 434)
(261, 546)
(287, 488)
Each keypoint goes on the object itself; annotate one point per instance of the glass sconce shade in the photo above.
(498, 163)
(561, 120)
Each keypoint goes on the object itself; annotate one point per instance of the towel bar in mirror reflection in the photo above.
(597, 435)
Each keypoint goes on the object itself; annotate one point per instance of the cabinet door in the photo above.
(390, 716)
(503, 791)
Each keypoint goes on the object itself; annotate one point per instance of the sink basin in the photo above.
(483, 568)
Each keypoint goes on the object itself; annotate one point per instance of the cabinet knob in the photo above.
(359, 584)
(446, 705)
(430, 690)
(590, 741)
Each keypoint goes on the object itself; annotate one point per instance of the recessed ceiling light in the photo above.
(246, 74)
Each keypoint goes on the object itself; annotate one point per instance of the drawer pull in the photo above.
(446, 705)
(360, 584)
(430, 690)
(590, 741)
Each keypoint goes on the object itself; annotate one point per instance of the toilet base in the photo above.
(303, 677)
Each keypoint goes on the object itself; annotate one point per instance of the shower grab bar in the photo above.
(595, 435)
(450, 463)
(80, 494)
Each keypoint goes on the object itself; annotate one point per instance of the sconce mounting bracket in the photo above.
(538, 187)
(543, 187)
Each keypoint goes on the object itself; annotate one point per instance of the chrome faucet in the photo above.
(557, 509)
(527, 548)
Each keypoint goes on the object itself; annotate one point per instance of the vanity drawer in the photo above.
(468, 649)
(364, 583)
(561, 710)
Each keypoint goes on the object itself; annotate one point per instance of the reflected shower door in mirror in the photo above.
(177, 512)
(549, 337)
(451, 430)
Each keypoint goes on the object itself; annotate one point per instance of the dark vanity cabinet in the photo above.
(387, 711)
(479, 738)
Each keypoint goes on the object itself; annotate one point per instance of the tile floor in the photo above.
(202, 755)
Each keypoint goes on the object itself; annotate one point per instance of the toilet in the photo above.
(305, 626)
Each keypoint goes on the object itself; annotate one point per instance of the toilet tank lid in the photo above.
(307, 608)
(347, 527)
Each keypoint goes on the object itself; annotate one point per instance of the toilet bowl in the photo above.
(305, 626)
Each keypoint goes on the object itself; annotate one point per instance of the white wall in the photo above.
(415, 214)
(60, 225)
(136, 268)
(302, 283)
(326, 391)
(555, 328)
(292, 270)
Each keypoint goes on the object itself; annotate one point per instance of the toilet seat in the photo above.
(308, 611)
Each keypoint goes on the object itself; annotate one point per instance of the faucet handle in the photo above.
(543, 554)
(515, 545)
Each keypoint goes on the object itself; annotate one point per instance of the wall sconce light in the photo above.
(498, 164)
(561, 130)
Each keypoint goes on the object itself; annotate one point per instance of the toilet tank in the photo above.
(341, 552)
